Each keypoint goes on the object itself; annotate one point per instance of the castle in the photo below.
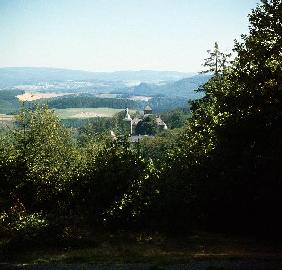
(132, 123)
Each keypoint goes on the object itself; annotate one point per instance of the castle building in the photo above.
(132, 123)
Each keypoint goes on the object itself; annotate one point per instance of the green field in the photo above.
(5, 117)
(6, 120)
(80, 113)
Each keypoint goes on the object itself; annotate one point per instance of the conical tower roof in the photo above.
(127, 116)
(147, 108)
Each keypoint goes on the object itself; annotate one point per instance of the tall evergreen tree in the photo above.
(217, 61)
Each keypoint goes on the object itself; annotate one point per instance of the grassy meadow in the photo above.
(80, 113)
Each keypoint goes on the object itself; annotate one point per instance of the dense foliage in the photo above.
(148, 126)
(158, 103)
(220, 171)
(9, 103)
(232, 144)
(89, 101)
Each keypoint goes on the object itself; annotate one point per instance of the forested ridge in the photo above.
(158, 103)
(221, 171)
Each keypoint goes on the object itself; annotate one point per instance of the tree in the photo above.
(48, 150)
(229, 163)
(217, 61)
(247, 144)
(176, 118)
(110, 186)
(148, 126)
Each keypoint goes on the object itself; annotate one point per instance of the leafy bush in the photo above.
(17, 222)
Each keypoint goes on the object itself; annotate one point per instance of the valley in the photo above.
(80, 94)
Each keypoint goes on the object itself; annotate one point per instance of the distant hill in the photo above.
(30, 75)
(9, 103)
(186, 87)
(168, 89)
(181, 88)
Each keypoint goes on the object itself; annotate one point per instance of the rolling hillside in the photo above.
(182, 88)
(25, 75)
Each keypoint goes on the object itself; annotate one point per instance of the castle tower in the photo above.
(148, 110)
(128, 120)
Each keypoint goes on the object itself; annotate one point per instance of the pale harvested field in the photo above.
(36, 96)
(140, 98)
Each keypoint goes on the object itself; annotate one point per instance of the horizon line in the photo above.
(100, 71)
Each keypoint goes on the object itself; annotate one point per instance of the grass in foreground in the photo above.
(145, 248)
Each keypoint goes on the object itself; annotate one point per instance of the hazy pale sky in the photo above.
(108, 35)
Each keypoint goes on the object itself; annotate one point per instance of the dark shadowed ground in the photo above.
(142, 251)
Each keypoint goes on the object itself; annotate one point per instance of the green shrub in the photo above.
(16, 222)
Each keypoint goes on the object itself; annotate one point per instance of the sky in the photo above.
(111, 35)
